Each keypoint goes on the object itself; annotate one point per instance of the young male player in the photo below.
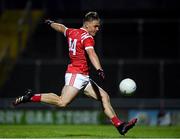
(81, 46)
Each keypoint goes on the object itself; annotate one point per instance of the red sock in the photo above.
(36, 98)
(116, 122)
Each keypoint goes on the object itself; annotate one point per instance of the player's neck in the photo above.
(84, 28)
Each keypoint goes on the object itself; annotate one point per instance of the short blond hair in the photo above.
(90, 16)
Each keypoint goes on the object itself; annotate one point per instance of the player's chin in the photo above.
(93, 34)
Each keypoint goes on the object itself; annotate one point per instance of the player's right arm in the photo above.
(56, 26)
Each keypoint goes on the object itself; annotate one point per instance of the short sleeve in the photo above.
(66, 32)
(89, 43)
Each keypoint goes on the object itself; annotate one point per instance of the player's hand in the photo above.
(101, 74)
(49, 22)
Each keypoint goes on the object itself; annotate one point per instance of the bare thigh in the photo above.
(94, 91)
(68, 94)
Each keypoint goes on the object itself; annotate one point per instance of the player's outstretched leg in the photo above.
(23, 99)
(49, 98)
(126, 126)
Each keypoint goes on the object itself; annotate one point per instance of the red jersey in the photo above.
(78, 40)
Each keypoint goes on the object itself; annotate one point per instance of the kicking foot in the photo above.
(125, 127)
(23, 99)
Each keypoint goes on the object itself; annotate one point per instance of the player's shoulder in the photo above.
(74, 31)
(69, 30)
(85, 34)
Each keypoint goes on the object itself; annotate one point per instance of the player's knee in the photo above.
(62, 103)
(106, 97)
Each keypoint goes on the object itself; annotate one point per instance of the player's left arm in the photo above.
(56, 26)
(94, 58)
(96, 63)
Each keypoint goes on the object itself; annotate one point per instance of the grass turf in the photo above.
(85, 131)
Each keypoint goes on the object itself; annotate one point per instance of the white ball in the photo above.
(127, 86)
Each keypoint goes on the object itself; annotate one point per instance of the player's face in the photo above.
(93, 27)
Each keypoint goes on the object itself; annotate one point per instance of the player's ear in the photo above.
(86, 24)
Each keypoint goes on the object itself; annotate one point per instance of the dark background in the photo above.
(139, 39)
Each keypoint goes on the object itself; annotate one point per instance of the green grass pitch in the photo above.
(86, 131)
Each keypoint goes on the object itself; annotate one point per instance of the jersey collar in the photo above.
(84, 29)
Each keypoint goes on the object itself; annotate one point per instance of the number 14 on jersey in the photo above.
(72, 45)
